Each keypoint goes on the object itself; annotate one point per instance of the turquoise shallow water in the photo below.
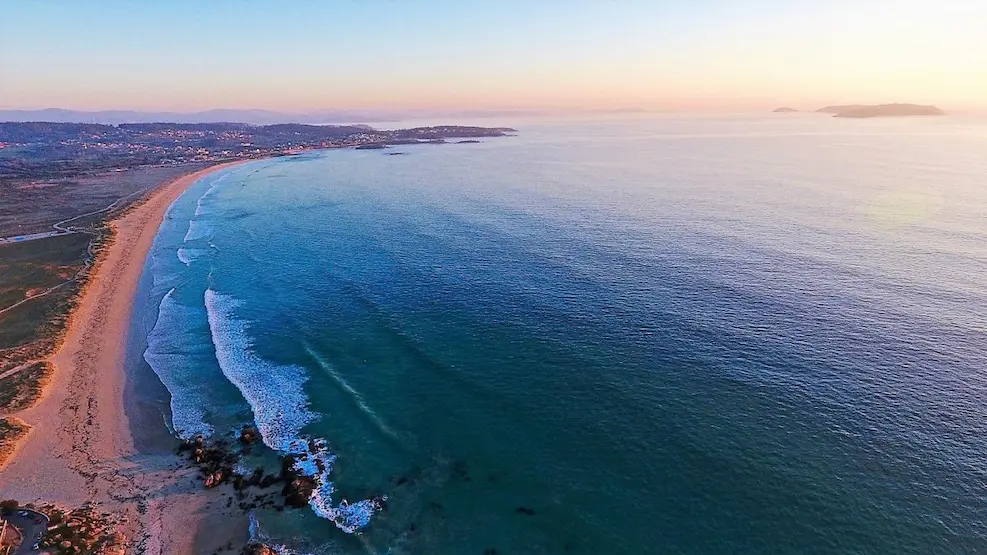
(663, 335)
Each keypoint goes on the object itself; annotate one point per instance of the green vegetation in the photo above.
(22, 384)
(32, 204)
(11, 431)
(81, 531)
(29, 268)
(38, 286)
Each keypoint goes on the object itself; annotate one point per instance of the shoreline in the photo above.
(90, 438)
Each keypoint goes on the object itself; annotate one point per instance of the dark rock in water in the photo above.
(396, 153)
(371, 146)
(525, 511)
(298, 488)
(258, 549)
(248, 435)
(467, 141)
(298, 491)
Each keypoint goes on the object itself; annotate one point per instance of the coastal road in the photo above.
(59, 228)
(32, 523)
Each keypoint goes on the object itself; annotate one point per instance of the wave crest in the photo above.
(280, 406)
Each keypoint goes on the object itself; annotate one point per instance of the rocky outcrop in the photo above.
(254, 548)
(249, 435)
(298, 487)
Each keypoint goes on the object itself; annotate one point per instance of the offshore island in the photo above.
(86, 462)
(880, 110)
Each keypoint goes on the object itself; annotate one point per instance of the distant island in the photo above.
(784, 110)
(880, 110)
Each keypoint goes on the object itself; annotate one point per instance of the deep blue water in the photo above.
(660, 335)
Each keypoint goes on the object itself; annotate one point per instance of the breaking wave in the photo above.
(198, 229)
(187, 255)
(280, 407)
(170, 344)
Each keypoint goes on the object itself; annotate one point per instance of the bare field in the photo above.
(32, 206)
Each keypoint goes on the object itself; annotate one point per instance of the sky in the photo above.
(490, 55)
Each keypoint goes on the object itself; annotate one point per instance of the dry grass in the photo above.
(11, 431)
(21, 389)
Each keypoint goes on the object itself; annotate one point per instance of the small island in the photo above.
(784, 110)
(881, 110)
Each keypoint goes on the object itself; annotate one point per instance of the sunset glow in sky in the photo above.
(461, 54)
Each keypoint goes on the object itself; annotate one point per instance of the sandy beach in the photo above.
(84, 444)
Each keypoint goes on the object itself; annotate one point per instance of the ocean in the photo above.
(625, 335)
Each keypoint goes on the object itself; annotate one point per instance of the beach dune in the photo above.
(81, 447)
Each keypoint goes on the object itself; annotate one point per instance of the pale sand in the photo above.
(81, 447)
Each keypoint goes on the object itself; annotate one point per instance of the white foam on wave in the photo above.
(198, 229)
(161, 278)
(280, 406)
(187, 255)
(167, 355)
(273, 391)
(201, 206)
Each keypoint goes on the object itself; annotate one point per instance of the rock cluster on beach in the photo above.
(217, 460)
(258, 549)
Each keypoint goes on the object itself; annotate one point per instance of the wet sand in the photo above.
(98, 433)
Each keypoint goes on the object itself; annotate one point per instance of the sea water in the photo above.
(747, 334)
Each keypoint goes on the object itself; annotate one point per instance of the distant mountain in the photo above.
(784, 110)
(114, 117)
(254, 117)
(889, 110)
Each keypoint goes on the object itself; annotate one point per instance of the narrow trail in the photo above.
(62, 230)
